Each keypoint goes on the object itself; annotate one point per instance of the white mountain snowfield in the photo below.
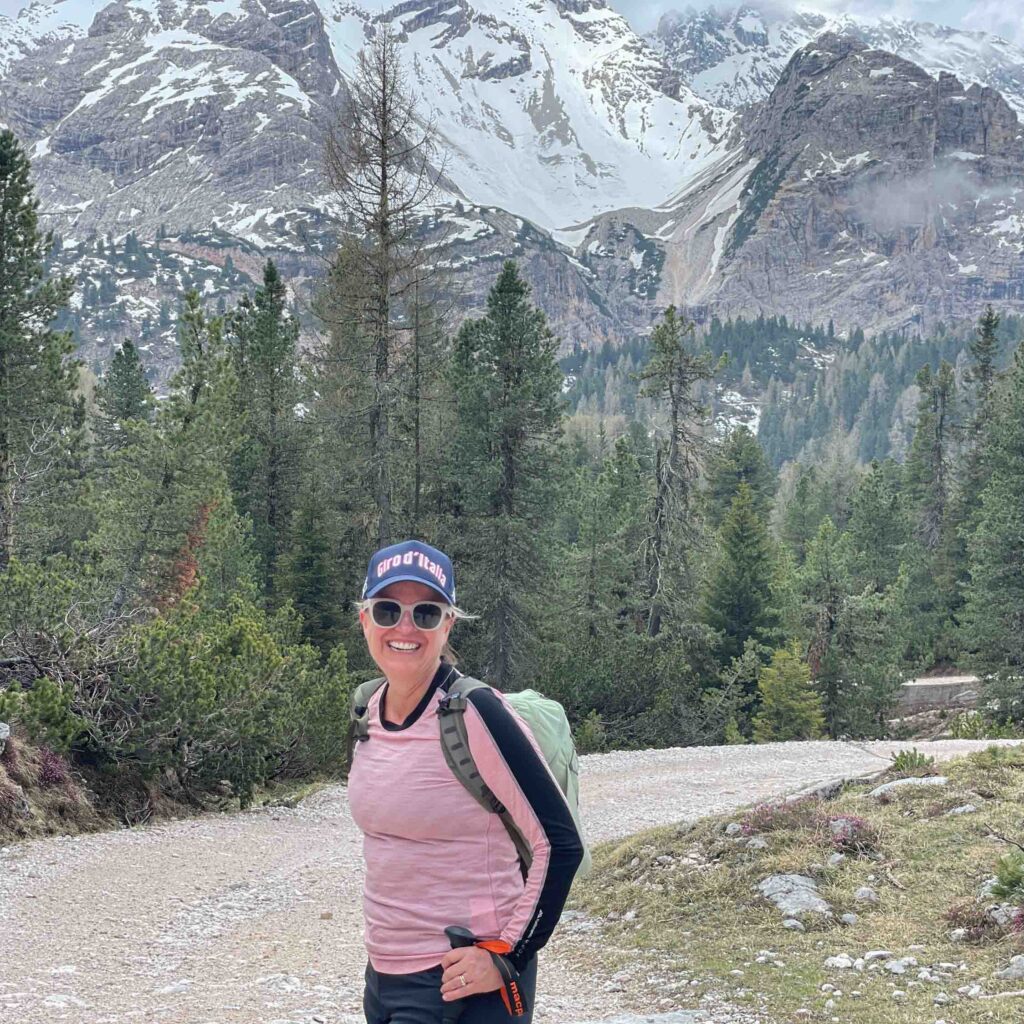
(555, 110)
(735, 59)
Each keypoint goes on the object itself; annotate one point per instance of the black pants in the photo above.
(416, 999)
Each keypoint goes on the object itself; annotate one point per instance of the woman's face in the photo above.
(403, 651)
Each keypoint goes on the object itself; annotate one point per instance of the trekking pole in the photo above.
(511, 994)
(458, 937)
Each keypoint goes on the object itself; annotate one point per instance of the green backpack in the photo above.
(547, 721)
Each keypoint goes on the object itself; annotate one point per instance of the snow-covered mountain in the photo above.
(617, 169)
(733, 57)
(553, 109)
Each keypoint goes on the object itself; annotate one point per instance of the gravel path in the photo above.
(255, 917)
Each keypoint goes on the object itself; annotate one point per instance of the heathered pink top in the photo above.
(435, 857)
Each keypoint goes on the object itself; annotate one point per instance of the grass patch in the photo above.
(40, 795)
(686, 895)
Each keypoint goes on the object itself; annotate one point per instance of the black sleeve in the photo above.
(548, 804)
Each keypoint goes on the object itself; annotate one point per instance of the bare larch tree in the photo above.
(380, 164)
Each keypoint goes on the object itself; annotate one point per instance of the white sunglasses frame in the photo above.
(446, 609)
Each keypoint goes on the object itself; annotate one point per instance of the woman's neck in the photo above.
(404, 694)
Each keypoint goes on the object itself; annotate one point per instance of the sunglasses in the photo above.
(426, 615)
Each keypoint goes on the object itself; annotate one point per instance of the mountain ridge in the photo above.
(572, 144)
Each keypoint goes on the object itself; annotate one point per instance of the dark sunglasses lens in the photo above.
(387, 613)
(427, 616)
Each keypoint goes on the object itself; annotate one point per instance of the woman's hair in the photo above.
(448, 652)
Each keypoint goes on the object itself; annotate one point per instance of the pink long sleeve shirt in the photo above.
(435, 857)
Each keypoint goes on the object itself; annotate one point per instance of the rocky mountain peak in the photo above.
(839, 96)
(862, 183)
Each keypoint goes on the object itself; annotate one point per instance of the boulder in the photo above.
(914, 780)
(5, 735)
(794, 895)
(962, 809)
(1014, 972)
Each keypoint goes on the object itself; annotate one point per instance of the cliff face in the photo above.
(864, 189)
(168, 115)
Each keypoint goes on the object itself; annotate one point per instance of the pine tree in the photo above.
(609, 511)
(739, 600)
(671, 378)
(855, 638)
(790, 708)
(379, 158)
(38, 411)
(879, 530)
(802, 514)
(123, 395)
(263, 341)
(420, 411)
(928, 466)
(933, 593)
(507, 388)
(163, 488)
(994, 613)
(973, 476)
(739, 459)
(309, 576)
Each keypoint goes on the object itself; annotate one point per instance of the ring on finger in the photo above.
(462, 978)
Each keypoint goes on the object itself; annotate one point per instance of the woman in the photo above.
(434, 857)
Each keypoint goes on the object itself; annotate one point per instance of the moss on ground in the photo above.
(685, 896)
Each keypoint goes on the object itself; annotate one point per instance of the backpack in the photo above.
(547, 722)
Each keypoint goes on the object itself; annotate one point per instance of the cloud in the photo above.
(995, 16)
(890, 205)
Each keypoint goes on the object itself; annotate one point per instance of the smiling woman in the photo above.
(435, 858)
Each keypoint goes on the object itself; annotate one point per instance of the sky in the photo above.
(997, 16)
(1000, 17)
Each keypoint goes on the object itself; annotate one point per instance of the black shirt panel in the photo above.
(440, 676)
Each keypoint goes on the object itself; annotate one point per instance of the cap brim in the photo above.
(378, 587)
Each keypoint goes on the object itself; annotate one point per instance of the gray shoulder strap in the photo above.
(455, 744)
(360, 703)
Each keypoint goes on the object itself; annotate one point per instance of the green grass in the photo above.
(704, 916)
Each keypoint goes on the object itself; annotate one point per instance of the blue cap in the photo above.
(410, 560)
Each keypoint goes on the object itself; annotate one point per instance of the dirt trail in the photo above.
(255, 917)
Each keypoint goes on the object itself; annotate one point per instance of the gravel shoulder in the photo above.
(255, 916)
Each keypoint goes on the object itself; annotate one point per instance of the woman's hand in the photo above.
(472, 964)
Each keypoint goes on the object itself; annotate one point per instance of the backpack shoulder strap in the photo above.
(455, 744)
(358, 715)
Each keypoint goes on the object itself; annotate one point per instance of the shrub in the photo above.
(977, 925)
(912, 762)
(227, 693)
(845, 833)
(973, 725)
(53, 769)
(850, 833)
(591, 735)
(791, 815)
(1009, 885)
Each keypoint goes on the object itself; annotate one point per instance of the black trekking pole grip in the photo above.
(458, 937)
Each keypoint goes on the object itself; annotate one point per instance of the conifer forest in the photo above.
(180, 560)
